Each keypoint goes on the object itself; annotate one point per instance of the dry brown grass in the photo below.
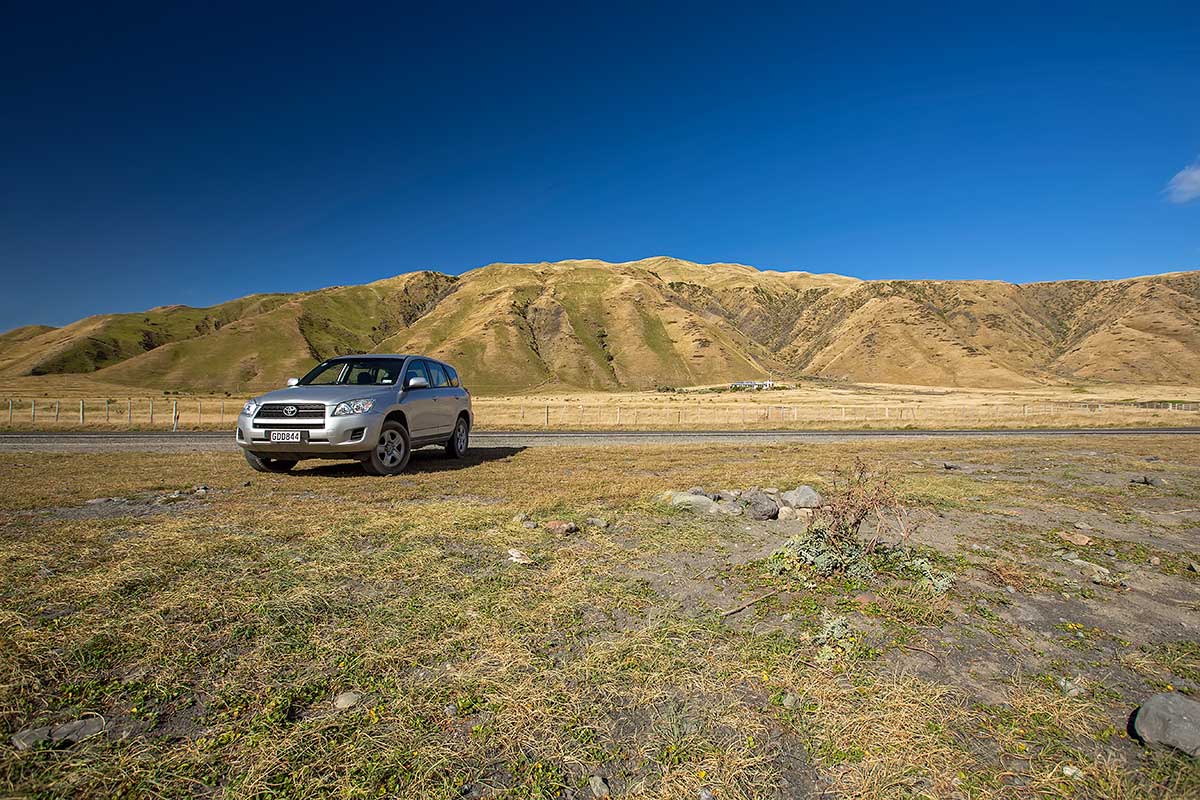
(817, 405)
(212, 636)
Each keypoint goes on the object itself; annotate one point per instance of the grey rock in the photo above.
(725, 495)
(599, 786)
(772, 491)
(561, 526)
(1155, 561)
(1089, 568)
(1110, 553)
(95, 501)
(1148, 480)
(346, 700)
(707, 794)
(77, 730)
(529, 524)
(1170, 719)
(948, 465)
(729, 508)
(700, 490)
(597, 522)
(697, 503)
(1082, 526)
(790, 700)
(786, 513)
(802, 497)
(520, 517)
(1070, 555)
(760, 505)
(32, 737)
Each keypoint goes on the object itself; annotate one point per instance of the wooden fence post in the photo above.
(174, 415)
(80, 412)
(618, 415)
(129, 411)
(106, 409)
(199, 413)
(151, 412)
(33, 410)
(222, 417)
(57, 409)
(10, 411)
(547, 425)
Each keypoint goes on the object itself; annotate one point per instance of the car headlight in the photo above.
(250, 408)
(353, 407)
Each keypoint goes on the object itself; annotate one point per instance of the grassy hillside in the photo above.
(660, 321)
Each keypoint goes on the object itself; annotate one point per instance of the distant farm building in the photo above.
(752, 385)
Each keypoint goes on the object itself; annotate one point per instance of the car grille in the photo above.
(274, 411)
(287, 424)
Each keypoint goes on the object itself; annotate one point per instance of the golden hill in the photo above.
(660, 321)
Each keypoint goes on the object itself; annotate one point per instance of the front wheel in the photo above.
(391, 453)
(267, 464)
(456, 445)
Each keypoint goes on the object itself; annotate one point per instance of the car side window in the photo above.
(437, 375)
(452, 375)
(415, 369)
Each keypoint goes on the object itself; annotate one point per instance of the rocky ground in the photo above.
(626, 622)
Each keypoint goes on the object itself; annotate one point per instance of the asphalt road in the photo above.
(165, 442)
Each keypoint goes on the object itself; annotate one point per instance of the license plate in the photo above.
(287, 436)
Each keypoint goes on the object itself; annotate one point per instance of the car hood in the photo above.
(326, 394)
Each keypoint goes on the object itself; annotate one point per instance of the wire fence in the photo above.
(192, 413)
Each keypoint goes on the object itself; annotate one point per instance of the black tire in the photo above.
(456, 445)
(391, 453)
(267, 464)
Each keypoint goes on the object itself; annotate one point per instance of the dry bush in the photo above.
(861, 492)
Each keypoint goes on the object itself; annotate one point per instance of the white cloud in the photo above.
(1185, 186)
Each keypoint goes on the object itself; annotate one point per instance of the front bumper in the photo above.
(331, 437)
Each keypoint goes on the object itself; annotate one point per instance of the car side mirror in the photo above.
(416, 383)
(293, 381)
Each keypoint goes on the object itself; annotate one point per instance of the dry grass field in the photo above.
(212, 637)
(53, 402)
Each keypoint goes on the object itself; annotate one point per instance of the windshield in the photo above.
(354, 372)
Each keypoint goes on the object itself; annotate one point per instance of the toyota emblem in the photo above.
(289, 411)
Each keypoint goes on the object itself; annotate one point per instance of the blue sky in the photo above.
(178, 153)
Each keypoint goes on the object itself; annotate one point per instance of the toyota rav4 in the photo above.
(373, 408)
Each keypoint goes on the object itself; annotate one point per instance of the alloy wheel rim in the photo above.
(460, 437)
(391, 448)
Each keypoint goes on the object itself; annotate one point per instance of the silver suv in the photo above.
(373, 408)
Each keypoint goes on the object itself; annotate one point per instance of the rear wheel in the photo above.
(456, 445)
(391, 452)
(268, 464)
